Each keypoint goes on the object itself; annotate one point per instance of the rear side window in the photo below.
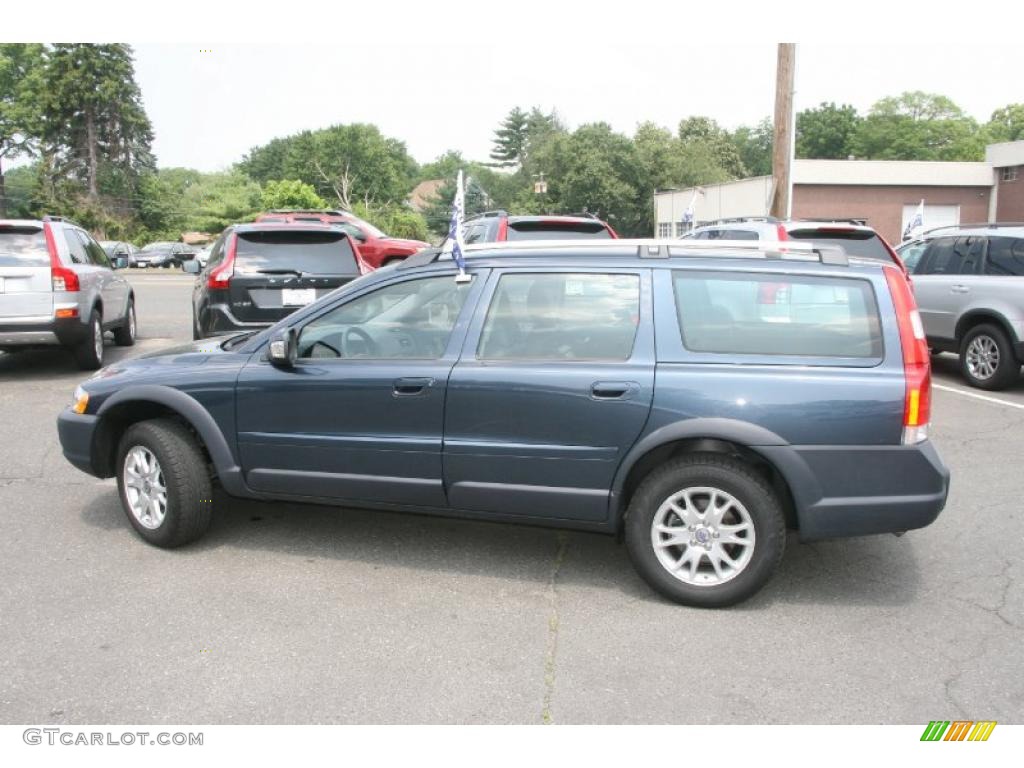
(276, 252)
(953, 256)
(76, 247)
(23, 247)
(856, 242)
(801, 316)
(1005, 256)
(558, 230)
(562, 317)
(730, 234)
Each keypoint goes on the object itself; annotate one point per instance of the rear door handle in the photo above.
(960, 289)
(613, 390)
(410, 387)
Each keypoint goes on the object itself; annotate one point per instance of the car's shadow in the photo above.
(48, 362)
(877, 570)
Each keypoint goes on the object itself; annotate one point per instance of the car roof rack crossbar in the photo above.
(741, 220)
(978, 225)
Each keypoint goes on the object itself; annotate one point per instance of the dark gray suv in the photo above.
(697, 398)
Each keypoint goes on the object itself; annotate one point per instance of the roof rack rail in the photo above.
(977, 225)
(741, 219)
(321, 211)
(654, 249)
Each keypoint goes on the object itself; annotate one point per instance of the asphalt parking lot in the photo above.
(293, 614)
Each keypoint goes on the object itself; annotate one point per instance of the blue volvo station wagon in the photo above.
(699, 399)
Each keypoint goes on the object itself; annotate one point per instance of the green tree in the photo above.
(21, 68)
(703, 135)
(667, 161)
(345, 163)
(291, 193)
(918, 126)
(95, 127)
(826, 131)
(438, 212)
(219, 199)
(1006, 124)
(754, 145)
(510, 139)
(394, 219)
(445, 166)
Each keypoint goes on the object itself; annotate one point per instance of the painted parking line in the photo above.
(976, 396)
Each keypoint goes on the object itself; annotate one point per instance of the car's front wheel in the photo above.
(164, 484)
(986, 358)
(705, 530)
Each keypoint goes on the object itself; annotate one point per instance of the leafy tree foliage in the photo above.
(918, 126)
(291, 193)
(1006, 124)
(20, 85)
(438, 213)
(396, 220)
(754, 145)
(826, 131)
(704, 135)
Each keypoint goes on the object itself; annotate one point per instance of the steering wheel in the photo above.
(355, 333)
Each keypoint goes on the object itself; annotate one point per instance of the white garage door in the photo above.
(934, 215)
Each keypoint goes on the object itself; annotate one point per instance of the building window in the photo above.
(665, 229)
(1010, 173)
(682, 228)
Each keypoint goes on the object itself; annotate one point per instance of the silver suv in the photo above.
(59, 287)
(969, 283)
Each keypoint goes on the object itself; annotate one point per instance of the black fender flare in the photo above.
(224, 460)
(774, 449)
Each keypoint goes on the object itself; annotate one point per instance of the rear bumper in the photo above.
(76, 432)
(842, 491)
(49, 332)
(219, 320)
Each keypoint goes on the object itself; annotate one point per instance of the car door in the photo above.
(944, 280)
(553, 387)
(113, 287)
(359, 417)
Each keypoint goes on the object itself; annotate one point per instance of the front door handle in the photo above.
(410, 387)
(613, 390)
(960, 289)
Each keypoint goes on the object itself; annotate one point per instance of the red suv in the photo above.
(375, 248)
(498, 226)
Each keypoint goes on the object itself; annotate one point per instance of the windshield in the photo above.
(23, 247)
(856, 242)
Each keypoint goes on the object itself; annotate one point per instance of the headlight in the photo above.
(81, 400)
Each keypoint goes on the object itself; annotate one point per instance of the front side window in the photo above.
(410, 320)
(954, 256)
(750, 314)
(562, 317)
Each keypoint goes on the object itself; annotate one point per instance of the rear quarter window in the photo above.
(23, 247)
(756, 314)
(317, 253)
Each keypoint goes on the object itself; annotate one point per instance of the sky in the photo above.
(210, 103)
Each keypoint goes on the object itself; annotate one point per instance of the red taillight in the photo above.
(220, 276)
(502, 235)
(61, 278)
(917, 369)
(781, 233)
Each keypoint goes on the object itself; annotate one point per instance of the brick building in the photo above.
(885, 193)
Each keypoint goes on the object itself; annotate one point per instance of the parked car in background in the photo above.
(116, 248)
(203, 255)
(969, 283)
(376, 248)
(165, 254)
(853, 235)
(499, 226)
(58, 287)
(258, 273)
(620, 386)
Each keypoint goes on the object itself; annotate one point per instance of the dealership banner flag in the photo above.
(916, 224)
(454, 242)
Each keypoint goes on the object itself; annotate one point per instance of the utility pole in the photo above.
(782, 146)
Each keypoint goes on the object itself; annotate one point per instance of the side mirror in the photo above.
(120, 262)
(191, 267)
(284, 348)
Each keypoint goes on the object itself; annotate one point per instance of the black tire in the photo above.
(724, 474)
(89, 351)
(124, 336)
(1007, 367)
(196, 333)
(185, 476)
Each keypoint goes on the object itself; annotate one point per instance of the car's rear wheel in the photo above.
(125, 335)
(986, 358)
(164, 483)
(705, 530)
(89, 351)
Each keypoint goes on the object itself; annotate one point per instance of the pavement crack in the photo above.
(551, 653)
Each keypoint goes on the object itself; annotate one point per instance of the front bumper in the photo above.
(842, 491)
(77, 433)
